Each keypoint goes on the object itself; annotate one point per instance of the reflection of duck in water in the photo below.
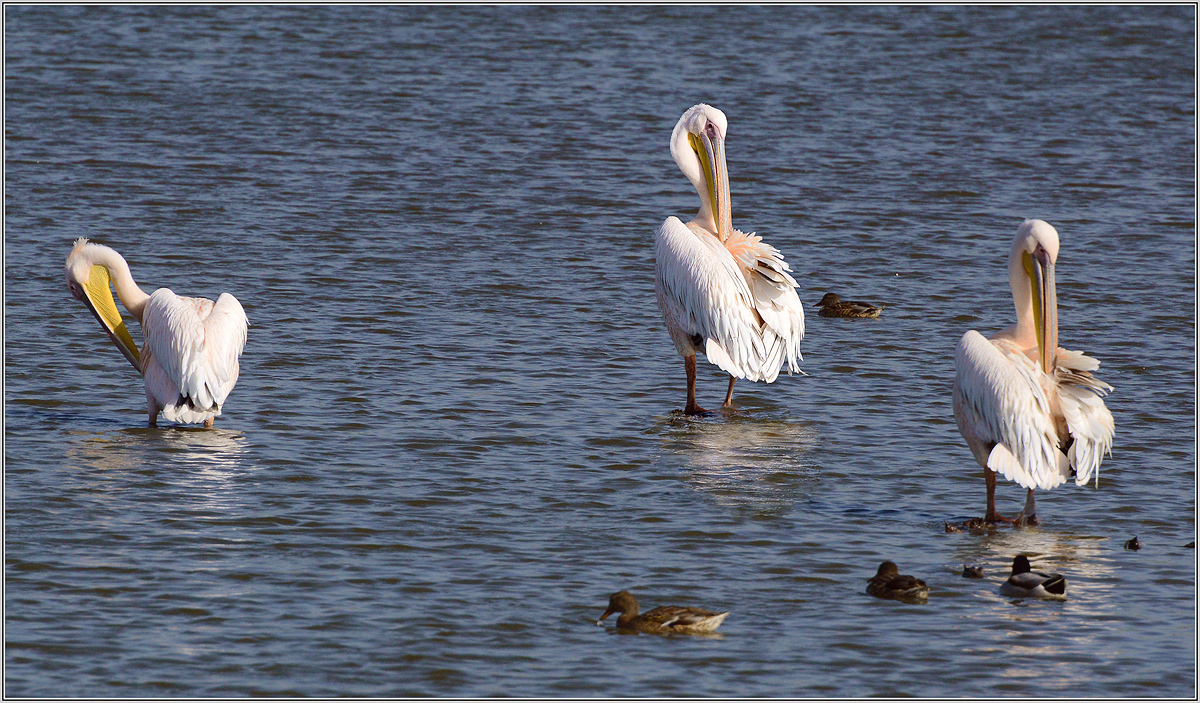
(665, 619)
(833, 306)
(889, 583)
(1032, 584)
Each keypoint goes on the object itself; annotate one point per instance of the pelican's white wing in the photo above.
(1088, 420)
(197, 344)
(702, 292)
(999, 400)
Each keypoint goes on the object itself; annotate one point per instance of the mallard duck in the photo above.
(890, 583)
(1024, 583)
(1133, 544)
(833, 306)
(665, 619)
(972, 572)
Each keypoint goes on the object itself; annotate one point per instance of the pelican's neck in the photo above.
(1024, 332)
(705, 219)
(132, 297)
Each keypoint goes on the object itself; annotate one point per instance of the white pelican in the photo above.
(722, 292)
(192, 345)
(1030, 410)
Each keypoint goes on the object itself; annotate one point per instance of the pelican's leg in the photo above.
(1028, 514)
(689, 365)
(208, 423)
(729, 394)
(992, 515)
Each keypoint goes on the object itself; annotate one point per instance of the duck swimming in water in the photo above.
(889, 583)
(833, 306)
(1024, 583)
(663, 620)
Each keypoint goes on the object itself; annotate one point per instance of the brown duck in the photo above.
(833, 306)
(665, 619)
(891, 584)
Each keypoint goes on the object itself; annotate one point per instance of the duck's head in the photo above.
(829, 299)
(888, 568)
(620, 602)
(1020, 564)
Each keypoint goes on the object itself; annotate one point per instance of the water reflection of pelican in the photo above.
(756, 462)
(210, 453)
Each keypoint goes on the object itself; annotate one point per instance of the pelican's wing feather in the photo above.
(197, 343)
(1090, 423)
(1000, 401)
(773, 291)
(702, 292)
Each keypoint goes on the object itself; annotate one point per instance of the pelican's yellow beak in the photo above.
(99, 298)
(1040, 270)
(710, 147)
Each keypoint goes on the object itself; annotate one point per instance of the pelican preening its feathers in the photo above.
(722, 292)
(1030, 410)
(191, 345)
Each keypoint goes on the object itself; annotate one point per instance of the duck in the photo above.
(833, 306)
(1024, 583)
(972, 572)
(889, 583)
(663, 620)
(1133, 544)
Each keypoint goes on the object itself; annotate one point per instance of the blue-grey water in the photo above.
(456, 430)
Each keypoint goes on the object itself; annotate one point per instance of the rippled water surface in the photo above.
(456, 429)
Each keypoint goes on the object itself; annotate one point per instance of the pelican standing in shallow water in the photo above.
(1030, 410)
(191, 345)
(722, 292)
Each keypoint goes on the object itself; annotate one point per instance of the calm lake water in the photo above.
(456, 430)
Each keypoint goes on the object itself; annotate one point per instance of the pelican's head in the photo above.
(1031, 275)
(88, 280)
(698, 145)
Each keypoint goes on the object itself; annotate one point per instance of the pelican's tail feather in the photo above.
(773, 291)
(1088, 419)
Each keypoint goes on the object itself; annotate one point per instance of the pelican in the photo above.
(722, 292)
(191, 345)
(1030, 410)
